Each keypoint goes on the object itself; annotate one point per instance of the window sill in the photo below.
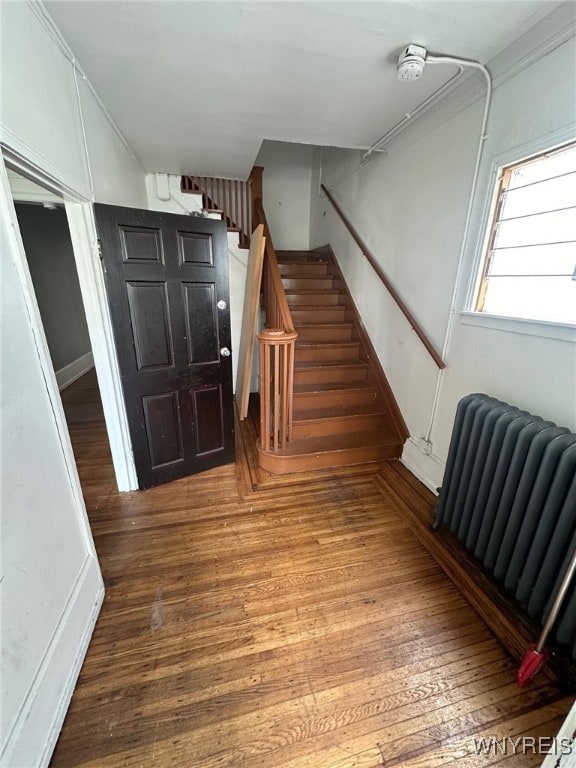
(542, 328)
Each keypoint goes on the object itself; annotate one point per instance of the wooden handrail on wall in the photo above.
(277, 344)
(390, 288)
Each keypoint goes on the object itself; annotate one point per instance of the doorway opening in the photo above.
(49, 251)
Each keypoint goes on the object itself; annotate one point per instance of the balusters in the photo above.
(276, 386)
(232, 196)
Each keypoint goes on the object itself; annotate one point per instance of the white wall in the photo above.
(117, 177)
(51, 582)
(410, 207)
(286, 189)
(41, 102)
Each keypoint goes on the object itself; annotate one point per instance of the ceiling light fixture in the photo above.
(411, 62)
(410, 66)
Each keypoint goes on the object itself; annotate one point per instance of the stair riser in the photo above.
(282, 465)
(314, 299)
(330, 376)
(343, 399)
(326, 354)
(303, 315)
(289, 255)
(338, 426)
(314, 270)
(325, 334)
(308, 283)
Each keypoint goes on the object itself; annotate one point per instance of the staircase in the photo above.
(344, 411)
(226, 199)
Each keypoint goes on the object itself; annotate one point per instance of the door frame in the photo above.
(80, 215)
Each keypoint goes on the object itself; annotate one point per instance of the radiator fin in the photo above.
(509, 494)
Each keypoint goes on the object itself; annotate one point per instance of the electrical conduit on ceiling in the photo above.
(410, 66)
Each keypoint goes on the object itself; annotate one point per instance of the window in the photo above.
(529, 268)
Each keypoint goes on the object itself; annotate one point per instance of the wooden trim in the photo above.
(249, 319)
(493, 224)
(375, 368)
(255, 180)
(390, 288)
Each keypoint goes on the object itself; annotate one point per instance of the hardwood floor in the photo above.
(299, 626)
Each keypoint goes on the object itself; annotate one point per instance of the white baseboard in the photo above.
(429, 469)
(40, 719)
(69, 373)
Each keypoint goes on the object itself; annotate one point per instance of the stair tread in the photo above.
(298, 262)
(338, 412)
(312, 291)
(304, 446)
(305, 275)
(307, 365)
(301, 257)
(322, 324)
(307, 344)
(337, 386)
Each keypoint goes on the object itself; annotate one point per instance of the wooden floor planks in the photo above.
(296, 626)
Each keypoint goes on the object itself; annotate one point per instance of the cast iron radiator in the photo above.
(509, 495)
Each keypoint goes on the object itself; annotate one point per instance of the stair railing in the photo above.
(231, 196)
(383, 277)
(277, 344)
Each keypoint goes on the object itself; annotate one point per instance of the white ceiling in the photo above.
(196, 86)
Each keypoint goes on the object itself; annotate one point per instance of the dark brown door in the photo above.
(167, 283)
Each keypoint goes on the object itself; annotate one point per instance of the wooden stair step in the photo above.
(309, 397)
(308, 282)
(324, 331)
(304, 297)
(339, 411)
(297, 269)
(331, 450)
(326, 350)
(338, 420)
(329, 371)
(300, 257)
(319, 314)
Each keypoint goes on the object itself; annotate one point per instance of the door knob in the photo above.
(224, 351)
(221, 304)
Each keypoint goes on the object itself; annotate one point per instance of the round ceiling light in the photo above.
(411, 62)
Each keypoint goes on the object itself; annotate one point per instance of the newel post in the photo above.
(255, 180)
(276, 387)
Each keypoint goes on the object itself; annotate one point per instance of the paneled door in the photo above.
(166, 278)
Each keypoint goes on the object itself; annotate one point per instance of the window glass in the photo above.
(529, 268)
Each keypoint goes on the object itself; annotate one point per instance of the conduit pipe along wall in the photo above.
(411, 64)
(436, 59)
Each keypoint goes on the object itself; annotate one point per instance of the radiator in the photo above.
(509, 495)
